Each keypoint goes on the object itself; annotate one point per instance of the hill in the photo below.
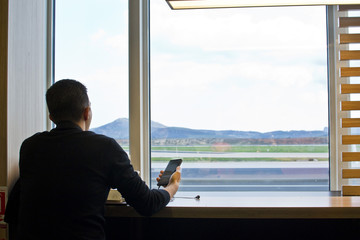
(119, 129)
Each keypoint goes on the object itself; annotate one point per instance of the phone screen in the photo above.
(169, 170)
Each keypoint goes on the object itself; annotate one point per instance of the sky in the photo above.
(251, 69)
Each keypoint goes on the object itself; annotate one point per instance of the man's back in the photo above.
(65, 178)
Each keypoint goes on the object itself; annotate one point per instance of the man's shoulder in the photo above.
(33, 140)
(92, 136)
(86, 135)
(99, 141)
(97, 136)
(36, 135)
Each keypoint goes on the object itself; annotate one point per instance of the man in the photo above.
(66, 174)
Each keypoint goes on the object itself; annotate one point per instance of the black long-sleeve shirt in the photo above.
(65, 177)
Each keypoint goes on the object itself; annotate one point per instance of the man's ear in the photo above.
(87, 118)
(87, 113)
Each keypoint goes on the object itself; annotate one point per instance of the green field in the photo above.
(260, 148)
(242, 148)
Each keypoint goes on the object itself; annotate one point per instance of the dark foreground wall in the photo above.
(160, 228)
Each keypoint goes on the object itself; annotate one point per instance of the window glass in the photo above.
(241, 96)
(91, 46)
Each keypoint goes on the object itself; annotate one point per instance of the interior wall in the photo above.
(3, 90)
(26, 80)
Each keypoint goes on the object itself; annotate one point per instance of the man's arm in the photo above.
(135, 191)
(174, 182)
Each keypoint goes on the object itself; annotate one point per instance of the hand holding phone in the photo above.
(169, 170)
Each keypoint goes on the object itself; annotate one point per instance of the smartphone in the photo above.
(169, 170)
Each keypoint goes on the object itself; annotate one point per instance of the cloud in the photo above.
(237, 29)
(98, 35)
(243, 69)
(241, 96)
(118, 43)
(108, 92)
(104, 71)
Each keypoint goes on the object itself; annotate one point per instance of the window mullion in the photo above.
(139, 87)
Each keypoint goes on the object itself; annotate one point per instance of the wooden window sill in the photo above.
(253, 206)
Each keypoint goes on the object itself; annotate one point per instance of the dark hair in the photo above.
(66, 100)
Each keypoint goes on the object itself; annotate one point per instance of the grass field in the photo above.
(260, 148)
(243, 148)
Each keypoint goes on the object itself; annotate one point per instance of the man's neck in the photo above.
(82, 125)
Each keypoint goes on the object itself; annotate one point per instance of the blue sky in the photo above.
(259, 69)
(91, 40)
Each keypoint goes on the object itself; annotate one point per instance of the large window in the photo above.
(91, 46)
(241, 96)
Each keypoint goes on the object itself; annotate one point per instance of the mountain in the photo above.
(119, 129)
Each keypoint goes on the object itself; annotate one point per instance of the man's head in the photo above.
(67, 100)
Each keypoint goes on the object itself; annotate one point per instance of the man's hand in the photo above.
(174, 182)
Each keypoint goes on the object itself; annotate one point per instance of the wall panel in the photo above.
(26, 75)
(3, 90)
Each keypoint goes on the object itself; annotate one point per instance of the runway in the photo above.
(242, 165)
(305, 174)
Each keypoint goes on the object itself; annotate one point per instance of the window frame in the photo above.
(50, 54)
(333, 94)
(139, 86)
